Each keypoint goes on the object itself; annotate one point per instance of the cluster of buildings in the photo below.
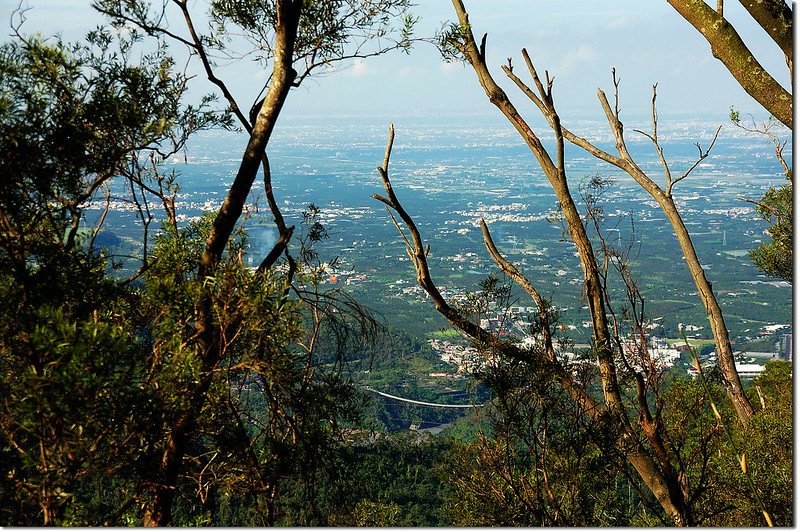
(469, 360)
(466, 358)
(750, 364)
(515, 322)
(654, 352)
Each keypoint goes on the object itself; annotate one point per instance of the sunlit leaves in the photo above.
(774, 257)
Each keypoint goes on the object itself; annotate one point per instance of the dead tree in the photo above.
(666, 201)
(644, 450)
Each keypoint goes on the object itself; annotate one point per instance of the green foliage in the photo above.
(76, 404)
(270, 417)
(71, 118)
(328, 31)
(775, 256)
(99, 375)
(499, 485)
(397, 480)
(451, 40)
(776, 206)
(767, 441)
(542, 464)
(709, 448)
(96, 373)
(371, 514)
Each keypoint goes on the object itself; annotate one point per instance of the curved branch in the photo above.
(198, 47)
(587, 404)
(728, 47)
(418, 253)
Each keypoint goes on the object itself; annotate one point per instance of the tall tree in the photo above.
(296, 37)
(644, 441)
(215, 352)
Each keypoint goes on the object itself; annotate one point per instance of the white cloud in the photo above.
(585, 54)
(622, 22)
(359, 69)
(451, 67)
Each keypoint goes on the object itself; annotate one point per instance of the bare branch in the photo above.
(616, 82)
(199, 48)
(765, 129)
(654, 139)
(102, 216)
(419, 252)
(510, 270)
(409, 248)
(536, 99)
(764, 206)
(277, 249)
(701, 157)
(388, 154)
(150, 29)
(664, 199)
(533, 73)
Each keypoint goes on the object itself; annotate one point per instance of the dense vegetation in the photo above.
(201, 391)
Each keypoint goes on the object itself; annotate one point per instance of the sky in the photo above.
(577, 41)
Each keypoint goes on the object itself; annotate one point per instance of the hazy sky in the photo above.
(578, 41)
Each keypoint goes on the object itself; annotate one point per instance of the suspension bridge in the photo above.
(414, 402)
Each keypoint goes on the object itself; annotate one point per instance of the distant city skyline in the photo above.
(577, 41)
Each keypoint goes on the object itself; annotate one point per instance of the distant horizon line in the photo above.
(488, 116)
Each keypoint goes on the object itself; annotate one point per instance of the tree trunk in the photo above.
(665, 201)
(728, 47)
(775, 17)
(158, 511)
(669, 496)
(577, 231)
(716, 320)
(158, 508)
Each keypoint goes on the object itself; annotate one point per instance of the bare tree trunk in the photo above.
(158, 508)
(45, 490)
(158, 511)
(716, 320)
(558, 180)
(728, 47)
(666, 202)
(669, 495)
(666, 488)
